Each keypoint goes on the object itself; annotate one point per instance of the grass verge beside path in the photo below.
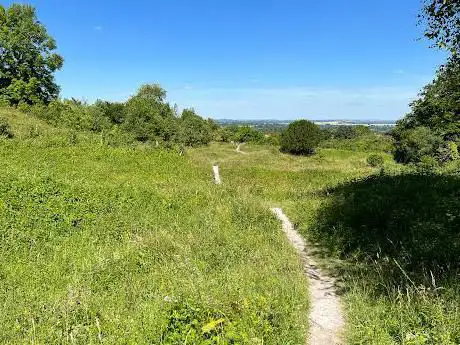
(392, 238)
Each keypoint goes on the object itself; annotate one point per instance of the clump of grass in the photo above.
(5, 129)
(375, 160)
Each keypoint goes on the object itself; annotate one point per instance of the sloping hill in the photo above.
(129, 245)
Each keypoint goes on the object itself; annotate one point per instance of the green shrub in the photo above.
(345, 132)
(115, 137)
(272, 139)
(372, 142)
(5, 128)
(447, 152)
(146, 117)
(247, 134)
(375, 160)
(361, 130)
(300, 137)
(427, 164)
(327, 133)
(453, 147)
(413, 144)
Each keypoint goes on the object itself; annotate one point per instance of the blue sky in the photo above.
(246, 59)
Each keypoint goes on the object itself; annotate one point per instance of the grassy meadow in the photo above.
(136, 245)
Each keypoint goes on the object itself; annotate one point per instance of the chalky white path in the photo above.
(326, 318)
(215, 170)
(238, 149)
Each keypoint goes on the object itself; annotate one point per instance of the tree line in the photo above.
(28, 60)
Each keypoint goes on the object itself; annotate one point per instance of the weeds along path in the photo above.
(326, 318)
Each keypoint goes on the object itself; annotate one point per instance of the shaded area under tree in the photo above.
(408, 224)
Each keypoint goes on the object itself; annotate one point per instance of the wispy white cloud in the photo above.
(98, 28)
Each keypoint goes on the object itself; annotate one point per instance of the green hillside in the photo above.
(135, 245)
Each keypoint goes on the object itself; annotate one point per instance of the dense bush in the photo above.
(375, 160)
(345, 132)
(149, 117)
(373, 142)
(5, 128)
(246, 134)
(427, 164)
(300, 137)
(413, 144)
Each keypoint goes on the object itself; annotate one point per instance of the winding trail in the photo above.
(238, 149)
(326, 318)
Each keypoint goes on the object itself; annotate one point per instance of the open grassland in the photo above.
(136, 245)
(391, 237)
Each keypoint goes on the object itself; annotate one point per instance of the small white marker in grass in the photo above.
(215, 170)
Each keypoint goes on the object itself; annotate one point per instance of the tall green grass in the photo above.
(391, 236)
(136, 245)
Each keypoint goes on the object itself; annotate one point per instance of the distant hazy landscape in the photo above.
(278, 125)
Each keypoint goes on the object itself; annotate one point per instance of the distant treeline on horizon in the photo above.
(267, 125)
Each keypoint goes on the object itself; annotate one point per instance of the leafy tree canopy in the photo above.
(148, 116)
(194, 130)
(301, 137)
(438, 106)
(432, 128)
(442, 20)
(27, 58)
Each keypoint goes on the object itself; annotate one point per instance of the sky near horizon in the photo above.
(246, 59)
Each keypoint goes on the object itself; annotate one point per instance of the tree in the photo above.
(413, 144)
(442, 20)
(345, 132)
(27, 61)
(246, 134)
(148, 116)
(432, 128)
(114, 111)
(300, 137)
(438, 107)
(194, 130)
